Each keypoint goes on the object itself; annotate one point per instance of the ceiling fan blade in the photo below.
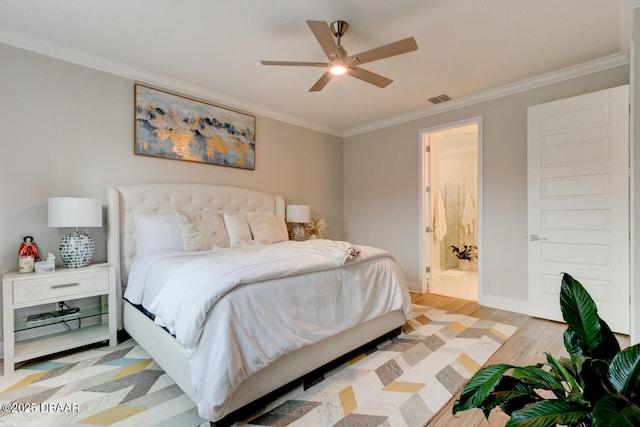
(295, 63)
(391, 49)
(369, 77)
(323, 34)
(322, 82)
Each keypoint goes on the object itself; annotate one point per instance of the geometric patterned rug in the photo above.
(400, 382)
(405, 382)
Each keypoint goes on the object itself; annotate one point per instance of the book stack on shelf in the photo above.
(51, 315)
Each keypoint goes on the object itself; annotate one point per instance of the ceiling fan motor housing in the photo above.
(338, 28)
(340, 63)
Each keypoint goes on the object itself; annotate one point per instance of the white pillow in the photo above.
(201, 231)
(237, 228)
(267, 228)
(157, 233)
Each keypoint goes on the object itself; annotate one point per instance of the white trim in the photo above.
(633, 3)
(589, 67)
(634, 313)
(413, 287)
(502, 303)
(145, 76)
(422, 205)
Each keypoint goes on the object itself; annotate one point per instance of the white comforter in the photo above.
(238, 310)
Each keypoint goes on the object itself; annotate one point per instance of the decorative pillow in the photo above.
(157, 233)
(237, 228)
(267, 228)
(201, 231)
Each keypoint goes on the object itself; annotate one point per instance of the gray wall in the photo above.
(382, 178)
(67, 130)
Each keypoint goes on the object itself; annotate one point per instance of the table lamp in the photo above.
(76, 248)
(298, 214)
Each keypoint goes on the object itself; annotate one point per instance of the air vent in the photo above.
(440, 99)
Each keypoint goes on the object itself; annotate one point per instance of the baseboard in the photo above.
(503, 303)
(414, 287)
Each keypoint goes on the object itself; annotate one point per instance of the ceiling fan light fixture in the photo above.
(338, 69)
(340, 63)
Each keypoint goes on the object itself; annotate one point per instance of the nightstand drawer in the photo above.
(59, 287)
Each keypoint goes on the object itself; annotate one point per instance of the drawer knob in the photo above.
(66, 285)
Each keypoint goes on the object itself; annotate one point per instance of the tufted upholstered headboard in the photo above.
(127, 201)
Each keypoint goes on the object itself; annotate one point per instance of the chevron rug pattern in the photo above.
(399, 382)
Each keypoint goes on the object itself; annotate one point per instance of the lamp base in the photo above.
(76, 249)
(297, 233)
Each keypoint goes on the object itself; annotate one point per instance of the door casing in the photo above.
(425, 217)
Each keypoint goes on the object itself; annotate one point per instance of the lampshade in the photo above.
(76, 248)
(74, 212)
(298, 213)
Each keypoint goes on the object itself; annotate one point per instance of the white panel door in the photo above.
(578, 202)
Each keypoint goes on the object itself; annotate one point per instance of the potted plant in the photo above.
(598, 385)
(465, 254)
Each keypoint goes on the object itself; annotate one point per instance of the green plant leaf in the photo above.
(593, 373)
(624, 371)
(510, 394)
(564, 373)
(479, 387)
(574, 363)
(616, 411)
(539, 378)
(609, 346)
(549, 413)
(579, 311)
(587, 333)
(509, 400)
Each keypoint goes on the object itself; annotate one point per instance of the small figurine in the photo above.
(28, 248)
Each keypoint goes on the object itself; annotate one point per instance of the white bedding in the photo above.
(261, 302)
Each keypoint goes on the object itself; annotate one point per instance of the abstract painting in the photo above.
(175, 127)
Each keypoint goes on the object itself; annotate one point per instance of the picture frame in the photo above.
(176, 127)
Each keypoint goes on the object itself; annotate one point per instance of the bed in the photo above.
(380, 309)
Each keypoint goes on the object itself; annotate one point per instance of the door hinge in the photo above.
(428, 230)
(428, 189)
(428, 269)
(427, 148)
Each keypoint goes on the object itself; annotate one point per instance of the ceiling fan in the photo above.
(341, 63)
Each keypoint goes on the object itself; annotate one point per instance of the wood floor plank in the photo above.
(527, 346)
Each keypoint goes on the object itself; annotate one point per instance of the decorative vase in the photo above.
(463, 264)
(297, 233)
(76, 249)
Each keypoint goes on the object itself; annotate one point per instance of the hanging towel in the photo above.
(439, 218)
(468, 214)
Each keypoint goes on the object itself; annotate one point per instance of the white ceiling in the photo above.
(212, 48)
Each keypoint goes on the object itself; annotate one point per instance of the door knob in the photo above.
(535, 238)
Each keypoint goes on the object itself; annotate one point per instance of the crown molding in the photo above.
(147, 77)
(589, 67)
(144, 76)
(633, 3)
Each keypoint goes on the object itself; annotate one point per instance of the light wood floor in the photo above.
(527, 346)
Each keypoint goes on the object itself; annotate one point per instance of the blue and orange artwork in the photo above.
(175, 127)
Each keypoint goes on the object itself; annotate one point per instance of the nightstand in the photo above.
(91, 324)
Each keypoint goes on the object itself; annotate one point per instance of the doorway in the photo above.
(450, 209)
